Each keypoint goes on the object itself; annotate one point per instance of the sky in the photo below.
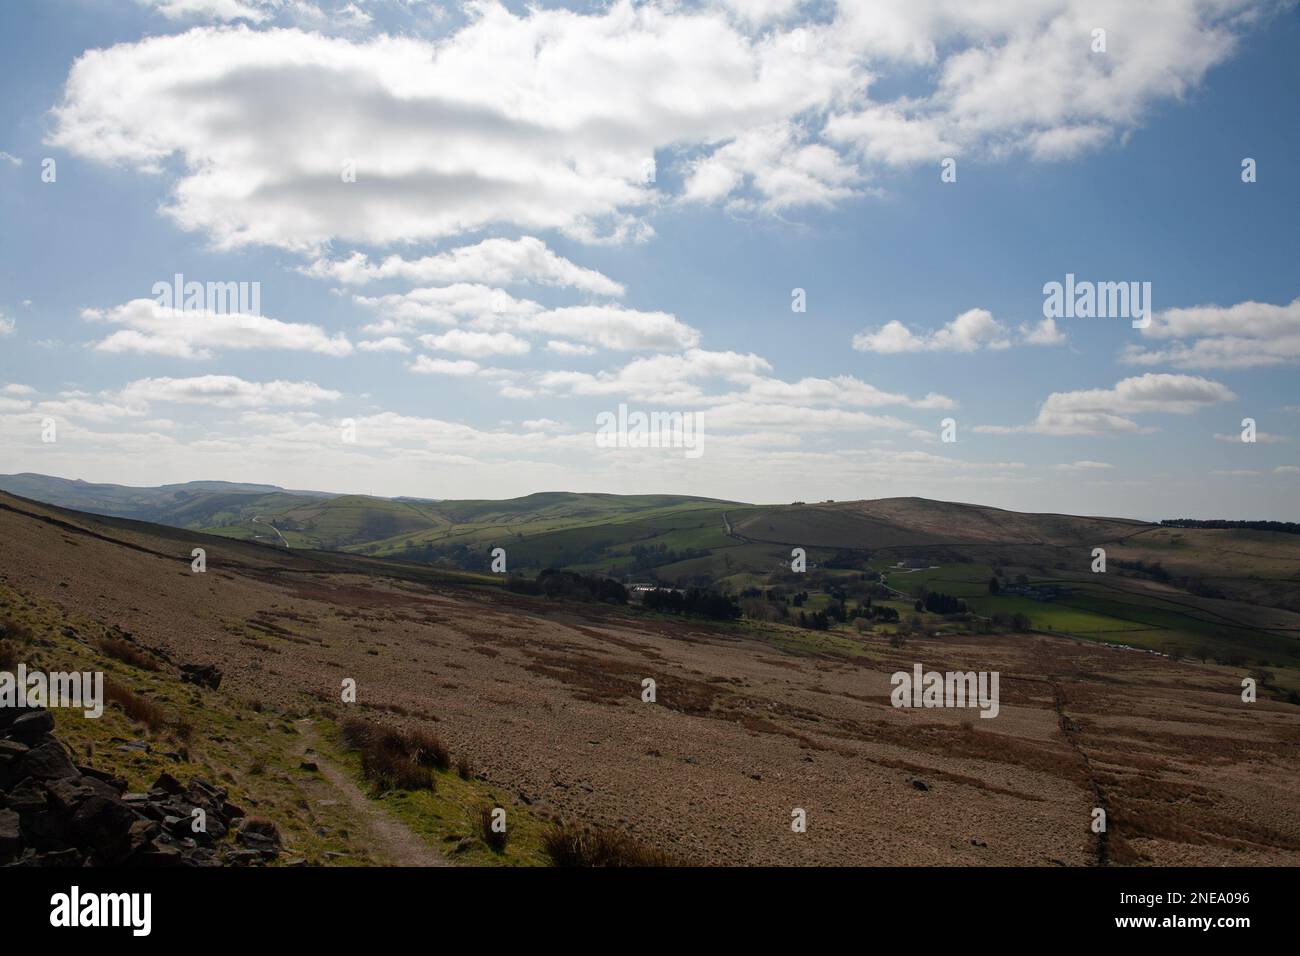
(823, 234)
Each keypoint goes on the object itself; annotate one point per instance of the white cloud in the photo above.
(611, 327)
(444, 305)
(1084, 466)
(1044, 332)
(560, 347)
(224, 391)
(7, 325)
(547, 118)
(492, 261)
(1263, 438)
(476, 344)
(15, 388)
(972, 330)
(1245, 335)
(1101, 410)
(434, 366)
(180, 333)
(254, 11)
(10, 158)
(387, 344)
(781, 167)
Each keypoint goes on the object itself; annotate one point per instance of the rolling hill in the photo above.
(543, 698)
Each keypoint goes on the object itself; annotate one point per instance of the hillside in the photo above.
(751, 719)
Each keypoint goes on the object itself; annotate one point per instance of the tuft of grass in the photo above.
(140, 709)
(394, 759)
(464, 769)
(127, 653)
(427, 749)
(569, 844)
(495, 840)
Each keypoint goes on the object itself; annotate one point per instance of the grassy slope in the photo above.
(253, 752)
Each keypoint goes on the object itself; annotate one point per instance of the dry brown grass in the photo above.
(127, 653)
(138, 708)
(496, 840)
(572, 845)
(393, 759)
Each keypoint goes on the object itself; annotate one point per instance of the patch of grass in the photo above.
(464, 769)
(127, 653)
(139, 709)
(576, 845)
(225, 735)
(496, 840)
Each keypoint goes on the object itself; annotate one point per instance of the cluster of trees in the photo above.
(937, 603)
(1155, 570)
(1286, 527)
(571, 585)
(646, 556)
(697, 602)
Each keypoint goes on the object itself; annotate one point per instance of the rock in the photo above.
(32, 725)
(258, 834)
(203, 675)
(11, 833)
(49, 761)
(27, 798)
(309, 765)
(167, 784)
(12, 749)
(104, 825)
(920, 785)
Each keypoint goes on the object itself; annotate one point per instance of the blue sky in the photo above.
(500, 157)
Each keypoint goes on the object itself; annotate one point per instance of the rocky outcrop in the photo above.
(56, 813)
(204, 675)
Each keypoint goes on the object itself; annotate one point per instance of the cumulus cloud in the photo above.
(198, 334)
(7, 325)
(435, 366)
(552, 119)
(492, 261)
(444, 305)
(476, 344)
(1245, 335)
(1084, 466)
(387, 344)
(224, 391)
(610, 327)
(971, 331)
(1102, 410)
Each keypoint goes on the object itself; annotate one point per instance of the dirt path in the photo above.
(391, 840)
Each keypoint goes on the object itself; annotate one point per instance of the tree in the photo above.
(995, 586)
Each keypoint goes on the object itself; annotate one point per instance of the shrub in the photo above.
(571, 845)
(393, 759)
(427, 749)
(140, 709)
(464, 769)
(127, 653)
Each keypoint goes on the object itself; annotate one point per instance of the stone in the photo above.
(203, 675)
(31, 725)
(11, 833)
(49, 761)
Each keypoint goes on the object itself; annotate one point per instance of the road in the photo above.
(257, 519)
